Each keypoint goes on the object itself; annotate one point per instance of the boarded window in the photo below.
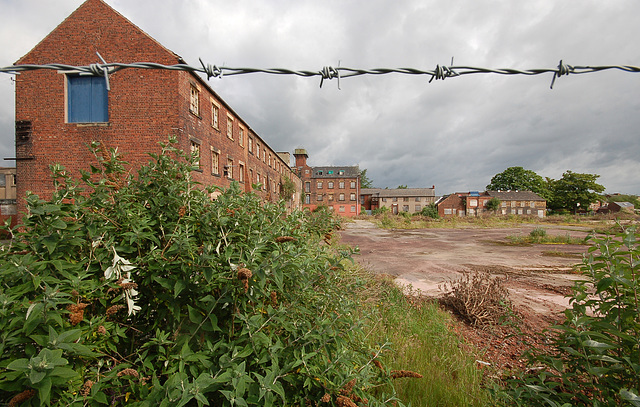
(87, 99)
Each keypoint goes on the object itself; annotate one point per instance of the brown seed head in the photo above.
(342, 401)
(21, 397)
(274, 298)
(244, 274)
(128, 286)
(129, 372)
(86, 388)
(348, 388)
(326, 398)
(102, 330)
(76, 317)
(397, 374)
(113, 309)
(283, 239)
(378, 364)
(182, 211)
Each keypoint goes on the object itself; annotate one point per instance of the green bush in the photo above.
(380, 211)
(144, 291)
(430, 211)
(597, 347)
(538, 233)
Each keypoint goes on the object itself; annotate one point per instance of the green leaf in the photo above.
(36, 376)
(178, 287)
(44, 391)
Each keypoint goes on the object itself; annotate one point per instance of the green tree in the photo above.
(574, 190)
(493, 204)
(365, 182)
(517, 178)
(402, 187)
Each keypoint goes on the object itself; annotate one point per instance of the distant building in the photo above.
(398, 200)
(617, 207)
(8, 207)
(474, 203)
(336, 187)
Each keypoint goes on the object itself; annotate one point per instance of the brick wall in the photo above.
(145, 107)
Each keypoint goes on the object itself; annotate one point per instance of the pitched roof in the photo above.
(398, 192)
(515, 195)
(91, 14)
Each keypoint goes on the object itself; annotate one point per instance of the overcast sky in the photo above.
(455, 134)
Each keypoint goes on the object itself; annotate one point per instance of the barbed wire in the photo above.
(327, 72)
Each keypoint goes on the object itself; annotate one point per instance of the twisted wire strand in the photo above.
(441, 72)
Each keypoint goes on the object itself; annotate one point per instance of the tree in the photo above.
(402, 187)
(517, 178)
(365, 182)
(493, 204)
(573, 191)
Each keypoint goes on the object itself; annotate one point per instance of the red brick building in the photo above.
(58, 114)
(335, 187)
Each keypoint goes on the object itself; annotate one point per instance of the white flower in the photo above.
(119, 267)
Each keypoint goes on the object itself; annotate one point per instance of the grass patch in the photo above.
(557, 253)
(423, 341)
(539, 236)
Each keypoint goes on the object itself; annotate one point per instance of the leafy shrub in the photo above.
(597, 347)
(430, 211)
(380, 211)
(538, 233)
(142, 290)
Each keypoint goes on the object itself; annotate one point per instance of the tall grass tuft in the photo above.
(422, 339)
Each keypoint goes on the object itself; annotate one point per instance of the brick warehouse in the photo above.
(338, 188)
(59, 114)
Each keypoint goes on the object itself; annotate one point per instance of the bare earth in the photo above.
(538, 276)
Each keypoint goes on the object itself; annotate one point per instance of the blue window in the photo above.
(87, 99)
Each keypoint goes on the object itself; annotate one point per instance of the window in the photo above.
(230, 127)
(330, 172)
(532, 204)
(418, 208)
(395, 199)
(241, 172)
(307, 199)
(405, 199)
(330, 197)
(341, 208)
(269, 159)
(87, 99)
(215, 161)
(258, 150)
(352, 184)
(384, 199)
(195, 153)
(319, 184)
(405, 208)
(522, 204)
(257, 178)
(241, 136)
(447, 211)
(330, 184)
(341, 197)
(341, 185)
(264, 156)
(250, 144)
(341, 172)
(473, 202)
(417, 199)
(353, 208)
(307, 187)
(319, 197)
(229, 168)
(320, 172)
(251, 175)
(352, 197)
(503, 204)
(194, 101)
(215, 113)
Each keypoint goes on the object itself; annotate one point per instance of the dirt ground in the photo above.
(537, 277)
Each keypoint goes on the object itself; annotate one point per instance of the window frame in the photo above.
(194, 99)
(215, 169)
(76, 88)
